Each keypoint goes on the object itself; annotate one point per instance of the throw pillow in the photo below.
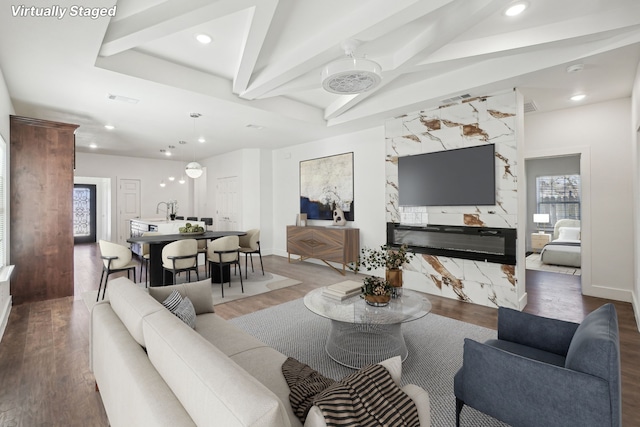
(172, 301)
(186, 312)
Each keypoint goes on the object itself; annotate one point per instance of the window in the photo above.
(3, 203)
(558, 196)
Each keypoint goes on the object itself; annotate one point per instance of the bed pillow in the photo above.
(569, 233)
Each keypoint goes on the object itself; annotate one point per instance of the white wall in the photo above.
(6, 109)
(635, 140)
(600, 132)
(149, 171)
(369, 184)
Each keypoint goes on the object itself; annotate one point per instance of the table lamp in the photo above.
(540, 218)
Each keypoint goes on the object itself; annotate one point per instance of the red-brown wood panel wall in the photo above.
(41, 216)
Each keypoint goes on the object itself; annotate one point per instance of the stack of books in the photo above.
(342, 290)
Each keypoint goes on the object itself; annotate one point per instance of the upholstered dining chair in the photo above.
(222, 252)
(249, 245)
(144, 257)
(115, 258)
(180, 256)
(202, 249)
(180, 217)
(192, 218)
(208, 221)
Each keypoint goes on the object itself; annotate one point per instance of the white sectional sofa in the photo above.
(154, 370)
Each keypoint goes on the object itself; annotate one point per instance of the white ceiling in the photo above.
(263, 66)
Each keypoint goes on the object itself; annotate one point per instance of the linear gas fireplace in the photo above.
(476, 243)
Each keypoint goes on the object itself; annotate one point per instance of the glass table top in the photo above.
(410, 306)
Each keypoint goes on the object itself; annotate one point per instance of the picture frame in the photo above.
(327, 183)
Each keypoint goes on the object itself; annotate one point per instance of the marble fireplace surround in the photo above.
(483, 120)
(489, 244)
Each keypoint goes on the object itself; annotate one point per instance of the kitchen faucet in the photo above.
(166, 212)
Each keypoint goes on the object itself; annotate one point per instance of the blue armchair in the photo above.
(545, 372)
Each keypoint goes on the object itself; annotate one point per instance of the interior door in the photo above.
(227, 205)
(128, 207)
(84, 213)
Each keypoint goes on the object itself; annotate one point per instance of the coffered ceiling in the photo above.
(257, 84)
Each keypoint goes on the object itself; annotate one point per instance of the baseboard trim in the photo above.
(636, 308)
(6, 311)
(523, 301)
(609, 293)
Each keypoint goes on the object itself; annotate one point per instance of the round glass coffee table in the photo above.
(361, 334)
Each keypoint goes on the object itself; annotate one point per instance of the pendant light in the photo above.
(194, 169)
(182, 180)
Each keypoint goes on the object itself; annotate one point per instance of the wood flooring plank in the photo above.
(44, 354)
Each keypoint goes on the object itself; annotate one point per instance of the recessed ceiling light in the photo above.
(575, 68)
(204, 38)
(121, 98)
(201, 139)
(109, 127)
(516, 9)
(93, 145)
(578, 97)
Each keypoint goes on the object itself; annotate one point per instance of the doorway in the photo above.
(84, 213)
(227, 203)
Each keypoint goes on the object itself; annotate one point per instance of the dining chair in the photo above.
(222, 252)
(115, 258)
(207, 222)
(249, 245)
(192, 218)
(180, 256)
(144, 258)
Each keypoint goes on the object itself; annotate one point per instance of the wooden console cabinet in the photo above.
(328, 244)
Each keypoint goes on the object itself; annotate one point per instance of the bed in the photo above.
(564, 248)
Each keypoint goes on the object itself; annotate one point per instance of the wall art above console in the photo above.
(326, 183)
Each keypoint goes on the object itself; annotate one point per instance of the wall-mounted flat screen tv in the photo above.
(460, 177)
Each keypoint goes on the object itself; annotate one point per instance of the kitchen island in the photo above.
(160, 225)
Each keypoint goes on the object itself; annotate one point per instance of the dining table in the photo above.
(158, 241)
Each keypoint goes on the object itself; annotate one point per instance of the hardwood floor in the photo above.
(44, 355)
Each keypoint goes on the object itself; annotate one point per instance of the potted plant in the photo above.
(387, 257)
(376, 291)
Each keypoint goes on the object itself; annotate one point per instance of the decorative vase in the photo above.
(338, 217)
(394, 277)
(377, 300)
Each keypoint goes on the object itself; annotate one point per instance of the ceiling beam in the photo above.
(480, 77)
(611, 20)
(444, 25)
(256, 33)
(164, 19)
(371, 20)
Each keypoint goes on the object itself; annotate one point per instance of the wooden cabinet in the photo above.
(539, 240)
(329, 244)
(41, 197)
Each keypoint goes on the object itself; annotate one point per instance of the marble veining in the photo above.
(490, 119)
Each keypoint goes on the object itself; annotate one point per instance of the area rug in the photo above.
(533, 263)
(435, 352)
(255, 284)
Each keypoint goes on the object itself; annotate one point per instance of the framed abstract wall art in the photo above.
(327, 183)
